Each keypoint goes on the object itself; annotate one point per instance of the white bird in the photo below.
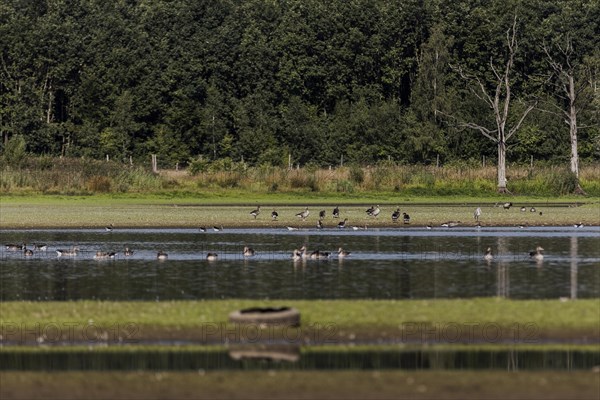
(488, 254)
(477, 214)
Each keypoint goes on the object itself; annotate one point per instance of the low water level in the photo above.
(383, 264)
(174, 359)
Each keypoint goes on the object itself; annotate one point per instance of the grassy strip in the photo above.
(334, 320)
(57, 212)
(466, 385)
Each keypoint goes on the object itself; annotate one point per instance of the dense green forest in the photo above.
(307, 81)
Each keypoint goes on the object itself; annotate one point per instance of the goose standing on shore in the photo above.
(373, 211)
(320, 224)
(109, 228)
(218, 228)
(274, 215)
(303, 214)
(255, 213)
(477, 214)
(342, 224)
(336, 212)
(507, 205)
(322, 214)
(406, 218)
(537, 254)
(396, 215)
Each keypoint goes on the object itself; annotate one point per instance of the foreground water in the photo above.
(383, 264)
(294, 358)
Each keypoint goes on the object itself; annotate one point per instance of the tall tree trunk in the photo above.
(502, 167)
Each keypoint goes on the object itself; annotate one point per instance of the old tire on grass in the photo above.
(287, 316)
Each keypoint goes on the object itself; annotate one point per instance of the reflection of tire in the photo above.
(266, 353)
(288, 316)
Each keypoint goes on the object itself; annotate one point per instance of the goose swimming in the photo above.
(109, 228)
(319, 255)
(68, 253)
(128, 252)
(15, 247)
(161, 255)
(248, 251)
(488, 256)
(212, 256)
(40, 247)
(343, 253)
(101, 255)
(537, 254)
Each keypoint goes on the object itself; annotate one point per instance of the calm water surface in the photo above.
(384, 264)
(296, 359)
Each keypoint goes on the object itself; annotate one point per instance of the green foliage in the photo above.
(357, 175)
(259, 80)
(15, 151)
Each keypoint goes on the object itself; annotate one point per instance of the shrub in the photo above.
(100, 184)
(357, 175)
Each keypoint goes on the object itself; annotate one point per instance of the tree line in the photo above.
(307, 81)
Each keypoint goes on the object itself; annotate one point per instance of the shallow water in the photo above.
(384, 264)
(293, 358)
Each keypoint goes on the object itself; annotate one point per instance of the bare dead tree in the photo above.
(499, 103)
(575, 83)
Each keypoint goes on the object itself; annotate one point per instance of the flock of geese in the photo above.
(297, 254)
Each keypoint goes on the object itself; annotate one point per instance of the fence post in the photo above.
(154, 164)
